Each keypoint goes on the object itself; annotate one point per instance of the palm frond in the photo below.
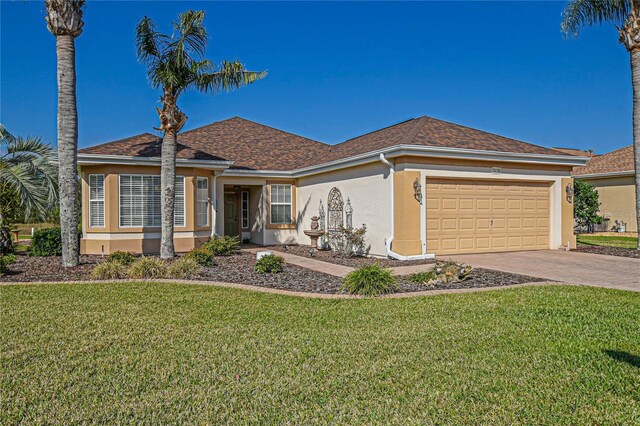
(193, 34)
(28, 169)
(229, 76)
(580, 13)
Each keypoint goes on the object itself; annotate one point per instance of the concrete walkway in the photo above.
(572, 267)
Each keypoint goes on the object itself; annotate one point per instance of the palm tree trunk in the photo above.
(635, 81)
(167, 197)
(67, 148)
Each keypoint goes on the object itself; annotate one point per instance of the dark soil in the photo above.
(354, 262)
(239, 268)
(479, 278)
(610, 251)
(49, 268)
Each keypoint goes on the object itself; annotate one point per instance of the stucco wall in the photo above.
(617, 199)
(366, 186)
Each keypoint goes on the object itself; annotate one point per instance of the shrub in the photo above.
(422, 277)
(124, 258)
(5, 261)
(269, 264)
(109, 270)
(46, 242)
(222, 246)
(147, 267)
(370, 280)
(350, 242)
(184, 268)
(448, 271)
(6, 243)
(201, 256)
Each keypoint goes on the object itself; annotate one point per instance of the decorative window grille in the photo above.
(96, 201)
(335, 207)
(202, 201)
(140, 201)
(281, 204)
(245, 209)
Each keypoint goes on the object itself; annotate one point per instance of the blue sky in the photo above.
(337, 70)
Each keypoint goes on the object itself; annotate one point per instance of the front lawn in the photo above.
(607, 241)
(167, 353)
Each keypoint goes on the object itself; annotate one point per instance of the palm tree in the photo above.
(28, 179)
(175, 63)
(64, 21)
(625, 16)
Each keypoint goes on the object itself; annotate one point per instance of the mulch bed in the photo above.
(354, 262)
(479, 278)
(609, 251)
(239, 269)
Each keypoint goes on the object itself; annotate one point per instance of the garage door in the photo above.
(476, 216)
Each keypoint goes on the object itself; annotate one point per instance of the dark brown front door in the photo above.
(231, 215)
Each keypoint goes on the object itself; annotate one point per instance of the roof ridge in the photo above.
(421, 121)
(493, 134)
(236, 117)
(375, 131)
(122, 140)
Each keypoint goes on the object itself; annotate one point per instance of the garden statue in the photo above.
(314, 233)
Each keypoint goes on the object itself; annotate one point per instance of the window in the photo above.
(96, 201)
(202, 199)
(245, 209)
(140, 201)
(281, 204)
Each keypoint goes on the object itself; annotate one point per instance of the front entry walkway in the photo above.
(571, 267)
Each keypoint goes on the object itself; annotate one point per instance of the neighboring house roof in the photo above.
(618, 161)
(254, 146)
(575, 151)
(248, 144)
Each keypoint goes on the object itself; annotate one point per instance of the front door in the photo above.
(230, 215)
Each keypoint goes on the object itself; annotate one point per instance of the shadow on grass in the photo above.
(633, 360)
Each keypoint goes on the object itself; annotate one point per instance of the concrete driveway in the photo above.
(570, 267)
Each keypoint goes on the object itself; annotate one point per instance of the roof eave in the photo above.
(605, 174)
(95, 159)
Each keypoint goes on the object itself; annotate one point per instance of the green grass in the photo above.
(166, 353)
(608, 241)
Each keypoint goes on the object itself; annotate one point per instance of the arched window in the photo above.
(335, 207)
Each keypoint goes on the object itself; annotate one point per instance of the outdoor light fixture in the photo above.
(417, 190)
(569, 191)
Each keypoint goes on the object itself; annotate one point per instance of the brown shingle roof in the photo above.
(620, 160)
(250, 145)
(575, 151)
(429, 131)
(255, 146)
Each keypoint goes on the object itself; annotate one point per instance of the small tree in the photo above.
(586, 204)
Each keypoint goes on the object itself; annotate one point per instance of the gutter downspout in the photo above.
(214, 203)
(389, 240)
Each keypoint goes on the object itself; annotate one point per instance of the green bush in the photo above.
(5, 261)
(370, 280)
(46, 242)
(184, 268)
(422, 276)
(201, 256)
(222, 246)
(147, 267)
(109, 270)
(124, 258)
(269, 264)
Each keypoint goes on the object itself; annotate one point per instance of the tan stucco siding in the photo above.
(617, 199)
(98, 239)
(368, 189)
(406, 213)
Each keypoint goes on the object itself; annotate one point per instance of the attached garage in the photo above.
(476, 216)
